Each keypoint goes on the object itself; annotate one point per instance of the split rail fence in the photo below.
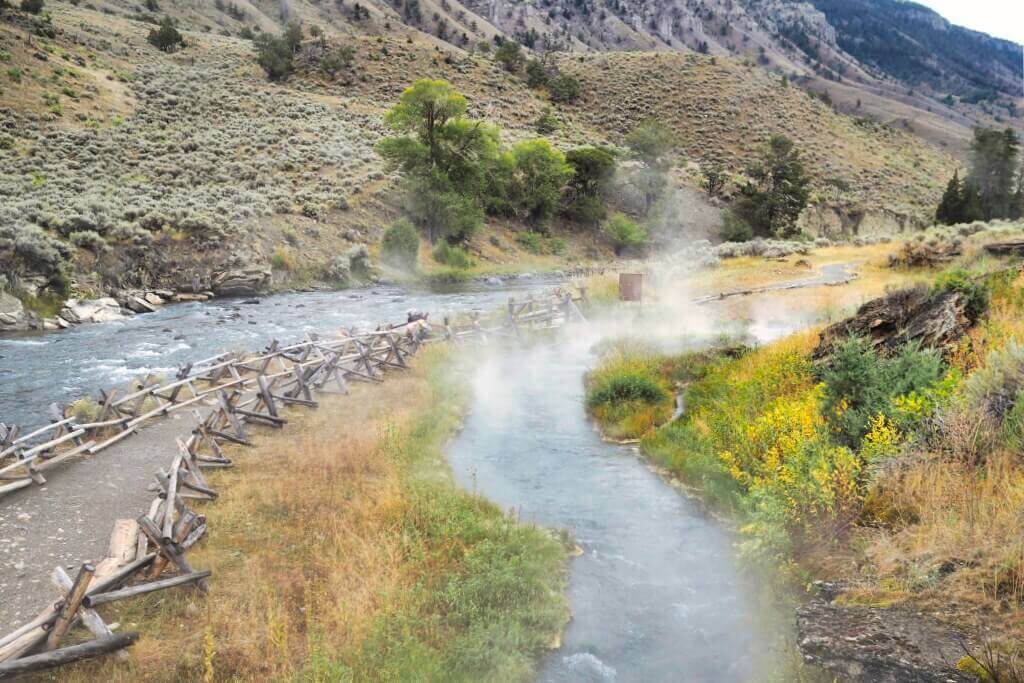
(147, 554)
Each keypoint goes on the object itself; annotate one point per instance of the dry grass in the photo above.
(321, 545)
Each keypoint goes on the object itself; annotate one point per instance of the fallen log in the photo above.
(66, 655)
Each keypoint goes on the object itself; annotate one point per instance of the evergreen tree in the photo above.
(773, 202)
(994, 170)
(951, 208)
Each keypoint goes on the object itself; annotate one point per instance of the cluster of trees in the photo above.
(540, 72)
(456, 170)
(276, 54)
(994, 186)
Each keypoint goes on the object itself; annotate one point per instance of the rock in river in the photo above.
(12, 314)
(241, 282)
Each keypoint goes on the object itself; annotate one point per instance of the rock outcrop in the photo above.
(879, 645)
(245, 281)
(916, 315)
(13, 316)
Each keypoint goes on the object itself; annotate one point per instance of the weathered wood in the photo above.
(168, 552)
(15, 486)
(121, 575)
(90, 618)
(172, 491)
(66, 655)
(45, 618)
(70, 606)
(26, 642)
(143, 588)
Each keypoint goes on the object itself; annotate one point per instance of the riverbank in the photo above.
(343, 549)
(858, 471)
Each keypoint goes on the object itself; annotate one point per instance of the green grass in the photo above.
(493, 598)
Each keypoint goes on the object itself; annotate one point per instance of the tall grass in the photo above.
(342, 550)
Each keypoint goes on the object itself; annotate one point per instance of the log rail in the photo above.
(241, 390)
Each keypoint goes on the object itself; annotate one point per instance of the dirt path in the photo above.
(69, 519)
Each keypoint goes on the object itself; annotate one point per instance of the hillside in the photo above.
(146, 169)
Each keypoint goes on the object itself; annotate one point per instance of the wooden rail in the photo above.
(243, 391)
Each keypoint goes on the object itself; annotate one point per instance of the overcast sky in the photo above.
(1000, 18)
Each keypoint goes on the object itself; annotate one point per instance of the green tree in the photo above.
(779, 191)
(32, 6)
(440, 210)
(444, 155)
(714, 180)
(536, 74)
(650, 141)
(540, 174)
(275, 55)
(994, 170)
(564, 88)
(511, 56)
(165, 38)
(592, 168)
(952, 208)
(624, 233)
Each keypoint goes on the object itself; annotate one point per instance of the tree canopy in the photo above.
(779, 191)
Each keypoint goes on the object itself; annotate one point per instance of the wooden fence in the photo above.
(241, 391)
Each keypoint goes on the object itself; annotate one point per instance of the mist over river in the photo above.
(656, 595)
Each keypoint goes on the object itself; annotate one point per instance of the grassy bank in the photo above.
(342, 550)
(900, 476)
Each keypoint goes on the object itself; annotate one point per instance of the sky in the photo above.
(1000, 18)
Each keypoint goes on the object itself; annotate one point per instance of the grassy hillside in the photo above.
(153, 169)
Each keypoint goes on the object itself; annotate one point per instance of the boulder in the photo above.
(91, 311)
(880, 645)
(138, 304)
(12, 314)
(153, 299)
(241, 281)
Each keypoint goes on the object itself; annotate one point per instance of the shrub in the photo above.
(531, 241)
(734, 228)
(548, 122)
(275, 54)
(453, 256)
(995, 389)
(32, 6)
(859, 384)
(510, 55)
(401, 244)
(975, 293)
(592, 168)
(564, 88)
(625, 386)
(359, 262)
(88, 239)
(624, 233)
(165, 38)
(536, 74)
(336, 60)
(284, 259)
(586, 209)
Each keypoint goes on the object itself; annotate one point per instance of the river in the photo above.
(39, 369)
(656, 594)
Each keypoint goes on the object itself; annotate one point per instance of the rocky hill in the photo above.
(181, 171)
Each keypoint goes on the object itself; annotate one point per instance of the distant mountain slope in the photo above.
(917, 46)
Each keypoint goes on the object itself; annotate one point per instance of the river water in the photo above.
(39, 369)
(656, 595)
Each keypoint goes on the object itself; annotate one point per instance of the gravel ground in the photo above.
(69, 520)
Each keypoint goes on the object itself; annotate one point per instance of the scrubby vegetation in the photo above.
(899, 473)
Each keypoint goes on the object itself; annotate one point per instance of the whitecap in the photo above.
(588, 665)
